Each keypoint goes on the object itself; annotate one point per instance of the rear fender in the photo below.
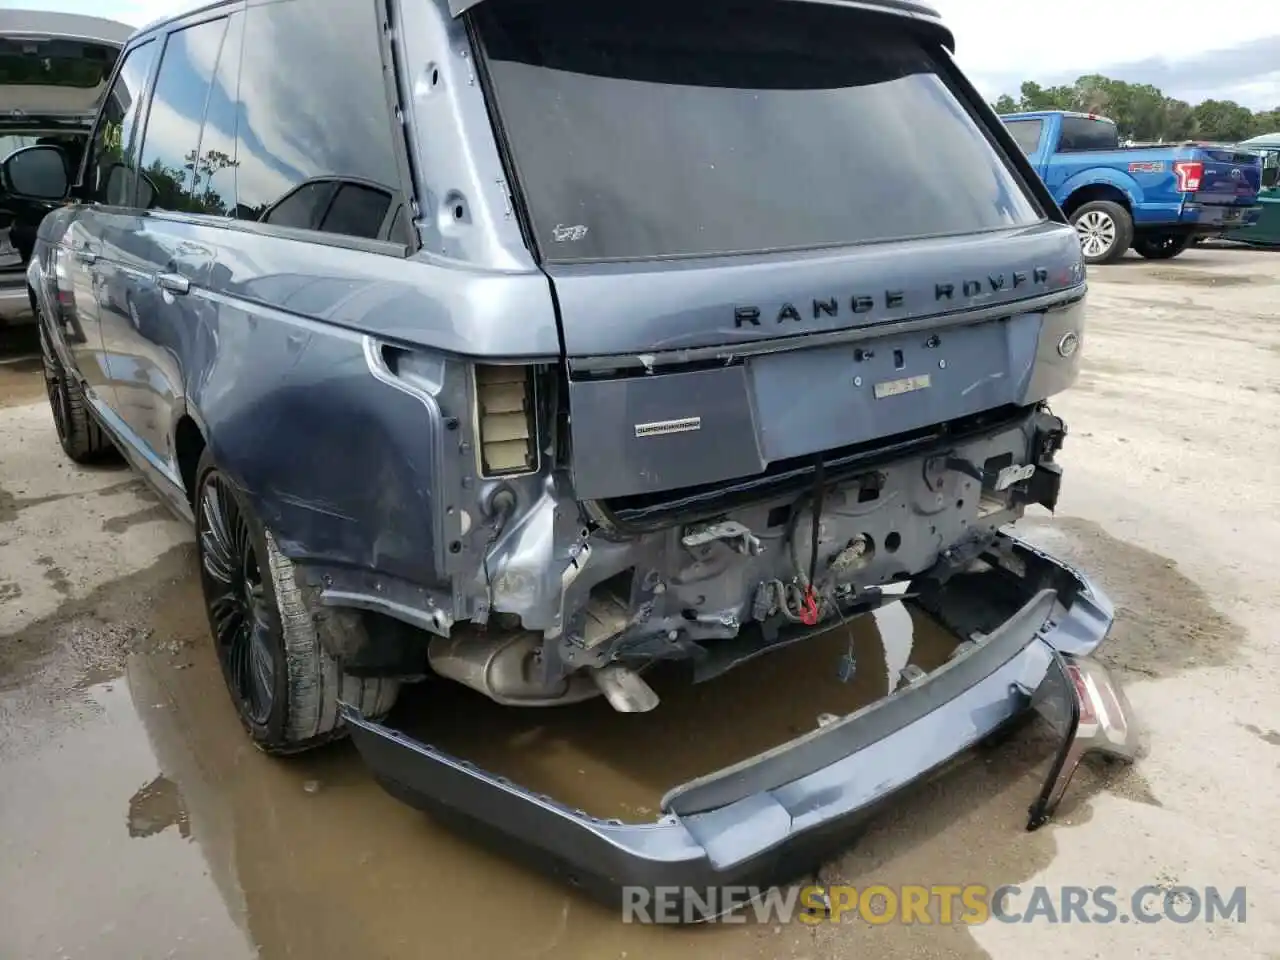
(341, 457)
(1127, 186)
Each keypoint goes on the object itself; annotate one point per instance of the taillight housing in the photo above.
(64, 293)
(1189, 174)
(506, 420)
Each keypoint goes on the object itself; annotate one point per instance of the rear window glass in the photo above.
(1085, 133)
(638, 131)
(1027, 133)
(55, 63)
(41, 79)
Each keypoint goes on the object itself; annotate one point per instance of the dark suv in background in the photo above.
(538, 345)
(54, 69)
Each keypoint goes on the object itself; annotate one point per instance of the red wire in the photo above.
(809, 612)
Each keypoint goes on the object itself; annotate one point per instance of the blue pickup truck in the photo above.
(1156, 199)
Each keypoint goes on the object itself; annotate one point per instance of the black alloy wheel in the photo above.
(240, 612)
(56, 387)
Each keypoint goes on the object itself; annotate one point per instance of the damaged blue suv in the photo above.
(535, 344)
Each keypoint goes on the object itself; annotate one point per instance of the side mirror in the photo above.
(37, 173)
(120, 185)
(1270, 176)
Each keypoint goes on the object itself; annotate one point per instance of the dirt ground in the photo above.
(136, 822)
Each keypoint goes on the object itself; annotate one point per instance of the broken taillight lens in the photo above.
(506, 424)
(1189, 174)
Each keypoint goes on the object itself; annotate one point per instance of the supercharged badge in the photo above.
(661, 428)
(894, 388)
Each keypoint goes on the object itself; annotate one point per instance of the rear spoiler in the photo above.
(909, 9)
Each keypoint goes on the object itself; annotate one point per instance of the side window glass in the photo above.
(358, 211)
(1270, 169)
(1081, 133)
(214, 183)
(323, 121)
(110, 175)
(303, 208)
(172, 138)
(1026, 133)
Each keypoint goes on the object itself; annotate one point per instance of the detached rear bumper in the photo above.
(780, 814)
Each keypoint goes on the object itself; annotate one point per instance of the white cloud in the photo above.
(135, 13)
(1001, 42)
(1017, 35)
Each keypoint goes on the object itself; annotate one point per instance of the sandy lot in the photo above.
(136, 821)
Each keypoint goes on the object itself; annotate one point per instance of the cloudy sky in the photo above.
(1180, 46)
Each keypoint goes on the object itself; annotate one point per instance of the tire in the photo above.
(1160, 246)
(1105, 230)
(266, 630)
(82, 438)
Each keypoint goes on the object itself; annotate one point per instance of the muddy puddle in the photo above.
(21, 382)
(1127, 272)
(617, 765)
(138, 821)
(21, 377)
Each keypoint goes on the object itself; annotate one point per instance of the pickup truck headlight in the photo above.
(506, 421)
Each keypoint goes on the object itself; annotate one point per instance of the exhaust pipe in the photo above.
(625, 689)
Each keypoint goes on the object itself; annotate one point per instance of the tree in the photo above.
(1142, 112)
(1179, 120)
(206, 199)
(1034, 97)
(172, 191)
(1223, 120)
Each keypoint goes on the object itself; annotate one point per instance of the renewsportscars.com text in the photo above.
(971, 904)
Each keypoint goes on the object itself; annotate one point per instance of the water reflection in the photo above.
(315, 860)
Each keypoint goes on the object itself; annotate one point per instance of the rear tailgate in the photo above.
(54, 67)
(728, 210)
(1231, 176)
(697, 398)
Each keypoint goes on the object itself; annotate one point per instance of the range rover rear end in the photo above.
(811, 305)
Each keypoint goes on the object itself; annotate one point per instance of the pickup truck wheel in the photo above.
(1161, 246)
(1105, 230)
(284, 684)
(80, 435)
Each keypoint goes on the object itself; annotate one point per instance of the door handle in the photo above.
(85, 255)
(173, 282)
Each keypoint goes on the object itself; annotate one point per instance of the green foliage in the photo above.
(1143, 112)
(173, 190)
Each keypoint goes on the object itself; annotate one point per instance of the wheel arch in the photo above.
(1088, 192)
(189, 444)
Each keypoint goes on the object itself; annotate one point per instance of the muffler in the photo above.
(502, 667)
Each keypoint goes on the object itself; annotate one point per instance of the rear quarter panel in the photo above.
(285, 373)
